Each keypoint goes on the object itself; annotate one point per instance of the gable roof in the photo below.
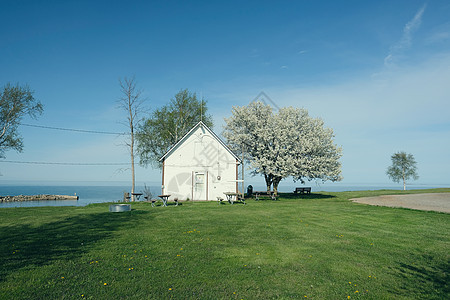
(199, 124)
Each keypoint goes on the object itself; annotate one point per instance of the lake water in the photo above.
(86, 194)
(99, 194)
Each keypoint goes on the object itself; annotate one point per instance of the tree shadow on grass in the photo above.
(292, 196)
(310, 196)
(25, 245)
(429, 280)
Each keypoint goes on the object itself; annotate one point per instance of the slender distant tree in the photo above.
(15, 102)
(168, 124)
(403, 168)
(132, 103)
(288, 143)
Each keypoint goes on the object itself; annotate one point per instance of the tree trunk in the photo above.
(132, 168)
(276, 181)
(269, 180)
(404, 181)
(132, 155)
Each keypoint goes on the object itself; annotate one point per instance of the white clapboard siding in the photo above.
(199, 167)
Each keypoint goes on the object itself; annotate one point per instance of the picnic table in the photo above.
(268, 193)
(165, 199)
(137, 195)
(233, 197)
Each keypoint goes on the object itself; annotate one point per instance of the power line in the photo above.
(68, 163)
(62, 163)
(75, 130)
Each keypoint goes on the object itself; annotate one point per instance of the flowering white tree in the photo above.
(289, 143)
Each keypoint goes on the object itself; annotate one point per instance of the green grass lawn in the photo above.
(318, 246)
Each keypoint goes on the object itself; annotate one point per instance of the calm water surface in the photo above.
(99, 194)
(86, 194)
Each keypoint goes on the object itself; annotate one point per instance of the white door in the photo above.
(200, 184)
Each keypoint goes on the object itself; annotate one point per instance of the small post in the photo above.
(242, 165)
(126, 196)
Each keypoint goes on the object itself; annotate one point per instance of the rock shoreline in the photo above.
(21, 198)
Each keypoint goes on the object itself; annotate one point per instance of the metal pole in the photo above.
(243, 185)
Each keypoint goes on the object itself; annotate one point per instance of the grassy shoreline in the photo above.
(321, 246)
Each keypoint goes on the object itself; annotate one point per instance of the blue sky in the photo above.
(377, 72)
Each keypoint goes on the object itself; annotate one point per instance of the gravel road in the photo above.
(435, 202)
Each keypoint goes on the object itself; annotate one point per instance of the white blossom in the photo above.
(288, 143)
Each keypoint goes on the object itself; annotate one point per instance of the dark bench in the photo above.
(268, 193)
(302, 190)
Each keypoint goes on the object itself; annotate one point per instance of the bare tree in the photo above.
(131, 102)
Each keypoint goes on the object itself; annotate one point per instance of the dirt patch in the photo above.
(435, 202)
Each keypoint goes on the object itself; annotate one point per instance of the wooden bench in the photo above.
(268, 193)
(302, 190)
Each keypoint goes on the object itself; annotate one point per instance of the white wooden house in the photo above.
(199, 167)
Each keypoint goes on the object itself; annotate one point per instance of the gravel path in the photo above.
(435, 202)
